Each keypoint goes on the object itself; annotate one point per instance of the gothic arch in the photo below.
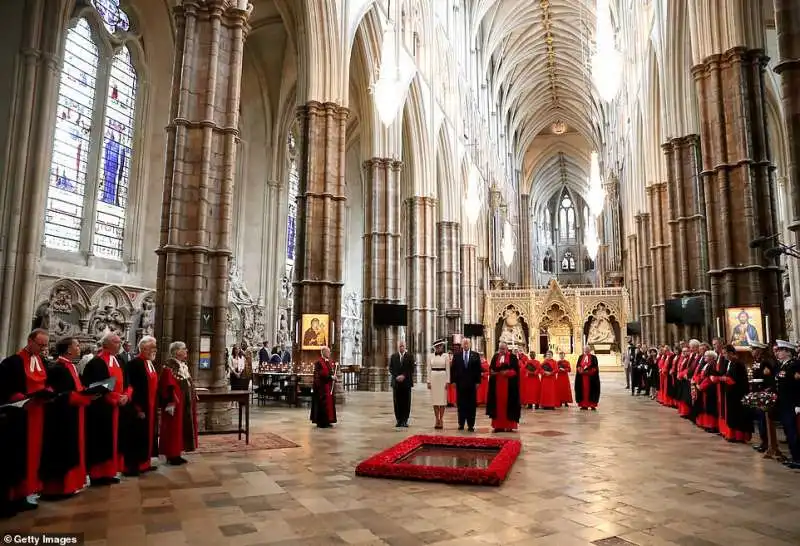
(415, 144)
(448, 190)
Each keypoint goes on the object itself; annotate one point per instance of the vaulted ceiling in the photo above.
(537, 64)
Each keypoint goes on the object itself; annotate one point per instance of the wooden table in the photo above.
(242, 398)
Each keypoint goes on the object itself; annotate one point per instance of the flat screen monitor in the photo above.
(694, 310)
(389, 314)
(473, 330)
(634, 328)
(673, 311)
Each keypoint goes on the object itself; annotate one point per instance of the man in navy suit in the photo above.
(465, 374)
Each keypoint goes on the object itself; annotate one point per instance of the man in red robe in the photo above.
(563, 386)
(587, 381)
(483, 388)
(323, 404)
(530, 383)
(178, 432)
(22, 376)
(140, 442)
(63, 468)
(503, 404)
(103, 454)
(549, 396)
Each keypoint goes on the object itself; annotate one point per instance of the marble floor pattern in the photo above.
(631, 473)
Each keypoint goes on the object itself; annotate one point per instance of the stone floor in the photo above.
(633, 472)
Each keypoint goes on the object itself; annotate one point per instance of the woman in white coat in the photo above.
(438, 378)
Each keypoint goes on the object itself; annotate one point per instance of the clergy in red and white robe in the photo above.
(502, 403)
(178, 431)
(549, 395)
(587, 381)
(22, 375)
(103, 453)
(323, 404)
(483, 388)
(140, 441)
(63, 467)
(563, 386)
(530, 382)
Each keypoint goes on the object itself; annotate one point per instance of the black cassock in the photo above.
(737, 417)
(513, 411)
(592, 371)
(140, 434)
(60, 449)
(100, 416)
(14, 431)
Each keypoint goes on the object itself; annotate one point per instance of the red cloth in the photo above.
(586, 372)
(530, 384)
(451, 394)
(501, 392)
(483, 388)
(563, 386)
(114, 465)
(549, 394)
(75, 479)
(34, 381)
(170, 435)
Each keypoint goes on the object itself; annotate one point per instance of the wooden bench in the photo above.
(242, 399)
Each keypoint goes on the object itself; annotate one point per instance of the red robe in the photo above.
(103, 456)
(549, 395)
(503, 412)
(451, 394)
(684, 409)
(483, 388)
(177, 432)
(530, 384)
(323, 405)
(140, 439)
(586, 371)
(74, 479)
(563, 387)
(20, 380)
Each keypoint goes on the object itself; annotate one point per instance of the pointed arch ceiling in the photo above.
(536, 56)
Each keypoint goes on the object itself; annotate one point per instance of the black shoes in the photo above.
(177, 461)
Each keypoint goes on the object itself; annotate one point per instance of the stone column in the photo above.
(657, 196)
(195, 244)
(318, 275)
(421, 275)
(496, 266)
(448, 279)
(469, 284)
(525, 241)
(482, 277)
(686, 217)
(787, 23)
(737, 180)
(381, 267)
(645, 276)
(632, 274)
(31, 122)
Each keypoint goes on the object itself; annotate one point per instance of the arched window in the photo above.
(566, 218)
(568, 262)
(291, 217)
(92, 150)
(547, 263)
(548, 227)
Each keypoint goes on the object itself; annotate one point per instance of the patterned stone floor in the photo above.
(632, 472)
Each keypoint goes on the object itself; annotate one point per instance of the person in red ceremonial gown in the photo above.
(503, 399)
(563, 387)
(720, 366)
(738, 420)
(706, 378)
(140, 442)
(105, 436)
(178, 432)
(63, 468)
(323, 404)
(22, 375)
(483, 388)
(682, 386)
(530, 382)
(549, 396)
(451, 387)
(587, 381)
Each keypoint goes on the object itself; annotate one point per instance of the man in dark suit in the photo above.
(401, 367)
(465, 374)
(126, 355)
(263, 355)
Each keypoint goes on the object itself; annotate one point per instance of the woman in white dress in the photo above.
(438, 378)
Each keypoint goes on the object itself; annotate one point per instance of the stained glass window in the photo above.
(291, 219)
(566, 218)
(113, 17)
(72, 140)
(115, 157)
(93, 141)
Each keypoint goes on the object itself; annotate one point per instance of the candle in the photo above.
(297, 332)
(333, 332)
(766, 321)
(719, 327)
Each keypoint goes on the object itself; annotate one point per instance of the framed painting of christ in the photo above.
(744, 326)
(315, 332)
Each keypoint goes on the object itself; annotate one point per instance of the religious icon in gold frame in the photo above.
(744, 326)
(315, 332)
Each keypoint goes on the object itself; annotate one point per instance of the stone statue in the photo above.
(513, 334)
(238, 291)
(601, 330)
(148, 316)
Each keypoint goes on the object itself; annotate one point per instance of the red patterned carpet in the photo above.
(230, 443)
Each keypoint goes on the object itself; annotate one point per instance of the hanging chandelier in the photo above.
(597, 195)
(507, 248)
(472, 204)
(607, 60)
(386, 91)
(592, 243)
